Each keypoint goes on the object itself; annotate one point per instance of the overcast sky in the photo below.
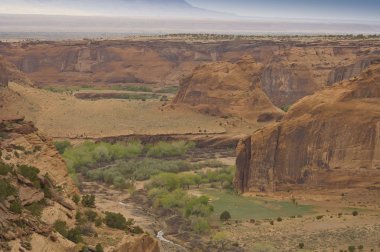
(309, 9)
(315, 9)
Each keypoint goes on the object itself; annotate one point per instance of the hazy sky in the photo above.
(309, 9)
(318, 9)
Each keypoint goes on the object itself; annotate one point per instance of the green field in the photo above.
(258, 208)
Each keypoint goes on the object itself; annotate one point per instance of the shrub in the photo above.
(75, 235)
(351, 248)
(61, 227)
(30, 173)
(87, 229)
(37, 149)
(301, 245)
(286, 108)
(319, 217)
(355, 213)
(5, 169)
(198, 206)
(225, 216)
(279, 219)
(6, 189)
(136, 230)
(99, 248)
(166, 149)
(76, 199)
(88, 201)
(360, 247)
(271, 222)
(115, 220)
(91, 215)
(4, 135)
(62, 146)
(200, 225)
(16, 207)
(35, 208)
(98, 222)
(175, 199)
(167, 181)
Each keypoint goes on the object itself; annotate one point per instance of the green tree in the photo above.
(168, 181)
(115, 220)
(225, 216)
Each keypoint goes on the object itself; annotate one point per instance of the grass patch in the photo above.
(246, 208)
(168, 90)
(133, 88)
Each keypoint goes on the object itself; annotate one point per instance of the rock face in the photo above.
(291, 68)
(9, 72)
(3, 75)
(330, 139)
(35, 150)
(226, 89)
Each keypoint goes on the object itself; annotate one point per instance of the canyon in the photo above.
(291, 68)
(302, 113)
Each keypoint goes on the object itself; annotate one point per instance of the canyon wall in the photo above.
(291, 68)
(228, 89)
(330, 139)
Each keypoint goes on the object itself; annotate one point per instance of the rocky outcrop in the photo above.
(22, 143)
(347, 72)
(143, 243)
(9, 72)
(226, 89)
(330, 139)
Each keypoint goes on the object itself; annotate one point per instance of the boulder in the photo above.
(29, 195)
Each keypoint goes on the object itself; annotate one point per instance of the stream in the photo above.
(160, 236)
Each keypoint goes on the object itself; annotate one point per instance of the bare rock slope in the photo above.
(329, 139)
(227, 89)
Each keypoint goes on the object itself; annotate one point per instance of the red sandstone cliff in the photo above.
(225, 89)
(329, 139)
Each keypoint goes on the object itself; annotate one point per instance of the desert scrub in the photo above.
(115, 220)
(16, 207)
(30, 173)
(6, 190)
(88, 201)
(136, 170)
(61, 146)
(5, 169)
(169, 149)
(89, 153)
(36, 208)
(164, 192)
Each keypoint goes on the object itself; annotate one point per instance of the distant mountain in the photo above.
(125, 8)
